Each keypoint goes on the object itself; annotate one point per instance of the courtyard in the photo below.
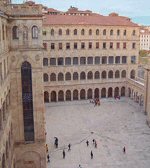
(114, 124)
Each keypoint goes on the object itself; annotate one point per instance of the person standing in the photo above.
(64, 154)
(91, 155)
(48, 158)
(124, 149)
(87, 143)
(69, 147)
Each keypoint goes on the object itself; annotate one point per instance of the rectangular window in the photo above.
(60, 61)
(44, 33)
(90, 45)
(97, 45)
(75, 60)
(111, 45)
(90, 60)
(133, 45)
(60, 46)
(45, 46)
(67, 61)
(124, 59)
(104, 45)
(110, 59)
(82, 60)
(67, 46)
(133, 59)
(124, 46)
(75, 45)
(118, 46)
(104, 60)
(97, 60)
(52, 46)
(52, 61)
(82, 45)
(117, 60)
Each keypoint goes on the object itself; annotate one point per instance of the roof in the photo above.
(89, 19)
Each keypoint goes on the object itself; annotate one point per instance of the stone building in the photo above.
(144, 39)
(50, 55)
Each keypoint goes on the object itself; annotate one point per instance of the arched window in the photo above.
(104, 75)
(123, 74)
(89, 94)
(133, 33)
(82, 94)
(110, 74)
(52, 32)
(90, 75)
(132, 74)
(67, 32)
(60, 95)
(60, 77)
(46, 97)
(82, 32)
(75, 95)
(110, 91)
(45, 77)
(15, 34)
(97, 75)
(53, 96)
(103, 93)
(75, 32)
(35, 32)
(104, 32)
(118, 32)
(96, 93)
(60, 32)
(53, 77)
(82, 76)
(27, 101)
(117, 74)
(123, 91)
(75, 76)
(116, 92)
(68, 76)
(68, 95)
(97, 32)
(45, 61)
(111, 32)
(90, 32)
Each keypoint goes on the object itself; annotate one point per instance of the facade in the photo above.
(49, 55)
(144, 39)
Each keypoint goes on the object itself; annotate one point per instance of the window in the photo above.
(35, 32)
(111, 32)
(52, 32)
(60, 32)
(123, 74)
(52, 61)
(90, 60)
(82, 76)
(75, 60)
(104, 32)
(27, 101)
(82, 45)
(110, 59)
(97, 75)
(125, 33)
(111, 45)
(124, 59)
(124, 45)
(75, 76)
(45, 61)
(133, 59)
(117, 60)
(97, 60)
(133, 33)
(97, 32)
(132, 74)
(60, 77)
(104, 60)
(60, 46)
(90, 32)
(133, 45)
(104, 75)
(15, 34)
(90, 45)
(75, 45)
(52, 46)
(45, 46)
(60, 61)
(117, 74)
(68, 76)
(104, 45)
(82, 60)
(97, 45)
(67, 32)
(67, 46)
(53, 77)
(118, 32)
(90, 75)
(67, 61)
(82, 32)
(44, 32)
(118, 45)
(110, 74)
(75, 32)
(45, 77)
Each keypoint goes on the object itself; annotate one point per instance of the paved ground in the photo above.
(114, 124)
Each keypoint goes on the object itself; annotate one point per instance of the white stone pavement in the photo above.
(115, 124)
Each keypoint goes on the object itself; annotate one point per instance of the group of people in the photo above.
(96, 101)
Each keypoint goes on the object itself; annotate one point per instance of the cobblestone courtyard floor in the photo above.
(115, 124)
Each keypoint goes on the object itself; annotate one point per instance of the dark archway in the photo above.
(123, 91)
(89, 94)
(82, 94)
(46, 97)
(116, 92)
(68, 95)
(110, 91)
(75, 95)
(103, 93)
(53, 96)
(96, 93)
(60, 95)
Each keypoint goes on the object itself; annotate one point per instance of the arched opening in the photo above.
(104, 32)
(97, 75)
(60, 95)
(129, 92)
(123, 74)
(116, 92)
(90, 32)
(82, 76)
(104, 75)
(132, 74)
(52, 32)
(97, 31)
(117, 74)
(90, 75)
(53, 77)
(75, 76)
(68, 76)
(110, 91)
(60, 77)
(75, 95)
(68, 95)
(110, 74)
(45, 77)
(75, 32)
(89, 94)
(46, 97)
(27, 101)
(15, 34)
(82, 94)
(35, 32)
(53, 96)
(123, 91)
(67, 32)
(96, 93)
(103, 93)
(60, 32)
(82, 32)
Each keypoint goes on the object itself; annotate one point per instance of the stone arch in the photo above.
(96, 93)
(90, 75)
(61, 95)
(53, 77)
(123, 91)
(132, 74)
(123, 74)
(46, 97)
(53, 96)
(82, 76)
(60, 32)
(110, 92)
(75, 94)
(68, 95)
(117, 74)
(68, 76)
(82, 94)
(104, 75)
(110, 74)
(45, 77)
(116, 92)
(82, 32)
(60, 77)
(103, 93)
(89, 93)
(97, 75)
(75, 76)
(97, 31)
